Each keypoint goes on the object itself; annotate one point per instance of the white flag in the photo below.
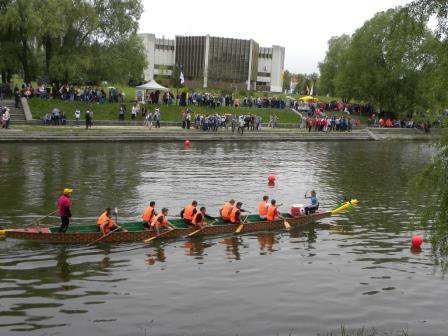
(181, 77)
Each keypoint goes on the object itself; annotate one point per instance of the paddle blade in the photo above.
(287, 225)
(150, 239)
(239, 228)
(193, 233)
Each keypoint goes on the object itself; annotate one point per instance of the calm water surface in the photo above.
(354, 270)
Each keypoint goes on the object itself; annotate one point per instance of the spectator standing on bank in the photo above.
(134, 111)
(89, 119)
(148, 120)
(16, 98)
(55, 116)
(157, 117)
(6, 117)
(77, 116)
(121, 112)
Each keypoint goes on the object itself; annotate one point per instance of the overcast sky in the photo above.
(302, 27)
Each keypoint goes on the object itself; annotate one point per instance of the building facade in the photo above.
(216, 62)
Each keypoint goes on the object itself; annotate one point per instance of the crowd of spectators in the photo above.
(375, 121)
(330, 124)
(91, 94)
(213, 122)
(311, 107)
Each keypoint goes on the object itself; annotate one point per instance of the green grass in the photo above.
(109, 111)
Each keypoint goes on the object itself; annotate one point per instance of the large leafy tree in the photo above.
(337, 45)
(386, 61)
(432, 183)
(19, 24)
(72, 40)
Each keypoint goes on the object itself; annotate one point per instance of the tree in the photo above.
(286, 85)
(337, 45)
(71, 40)
(19, 20)
(386, 61)
(431, 185)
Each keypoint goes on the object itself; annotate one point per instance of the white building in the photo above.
(235, 63)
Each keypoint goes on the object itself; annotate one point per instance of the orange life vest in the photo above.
(148, 214)
(226, 211)
(156, 222)
(235, 210)
(262, 209)
(188, 212)
(104, 218)
(272, 213)
(195, 219)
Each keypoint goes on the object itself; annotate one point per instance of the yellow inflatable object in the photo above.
(344, 206)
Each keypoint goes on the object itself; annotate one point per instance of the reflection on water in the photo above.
(356, 269)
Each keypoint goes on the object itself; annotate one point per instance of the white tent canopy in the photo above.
(152, 85)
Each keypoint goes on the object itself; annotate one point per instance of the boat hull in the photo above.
(45, 235)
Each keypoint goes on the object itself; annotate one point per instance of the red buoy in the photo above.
(271, 179)
(416, 241)
(187, 142)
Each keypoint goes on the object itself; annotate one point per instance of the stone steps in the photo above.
(17, 114)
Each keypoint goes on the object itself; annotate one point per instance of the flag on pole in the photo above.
(181, 77)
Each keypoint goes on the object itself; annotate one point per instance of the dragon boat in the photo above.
(87, 234)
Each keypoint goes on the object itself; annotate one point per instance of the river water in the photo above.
(354, 270)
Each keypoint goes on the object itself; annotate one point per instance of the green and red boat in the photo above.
(87, 234)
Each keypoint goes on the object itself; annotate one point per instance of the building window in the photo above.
(163, 67)
(264, 74)
(164, 47)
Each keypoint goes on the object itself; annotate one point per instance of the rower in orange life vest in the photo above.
(161, 221)
(189, 211)
(106, 222)
(226, 210)
(148, 215)
(273, 213)
(199, 217)
(263, 207)
(235, 215)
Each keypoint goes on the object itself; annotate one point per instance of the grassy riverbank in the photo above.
(109, 111)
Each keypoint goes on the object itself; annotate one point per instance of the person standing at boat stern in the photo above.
(148, 215)
(64, 204)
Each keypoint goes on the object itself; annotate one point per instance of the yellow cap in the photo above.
(68, 191)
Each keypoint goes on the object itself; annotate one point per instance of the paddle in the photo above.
(199, 230)
(241, 226)
(103, 236)
(42, 218)
(158, 236)
(110, 232)
(285, 222)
